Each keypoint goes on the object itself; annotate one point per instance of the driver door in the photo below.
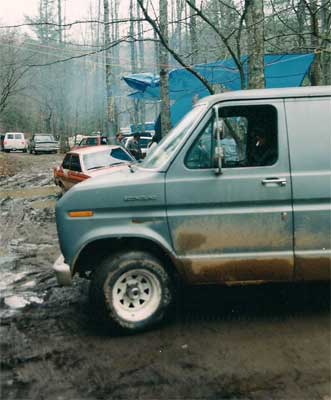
(237, 226)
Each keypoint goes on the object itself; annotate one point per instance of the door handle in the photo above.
(274, 181)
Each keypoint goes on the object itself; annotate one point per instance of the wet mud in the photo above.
(253, 342)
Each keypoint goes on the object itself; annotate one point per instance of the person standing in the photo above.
(119, 139)
(134, 147)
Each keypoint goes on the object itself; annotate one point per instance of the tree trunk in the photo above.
(193, 35)
(142, 105)
(59, 15)
(116, 64)
(109, 94)
(326, 44)
(63, 136)
(179, 11)
(315, 72)
(164, 69)
(254, 18)
(133, 58)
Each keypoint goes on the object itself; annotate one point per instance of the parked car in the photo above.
(43, 143)
(93, 141)
(84, 163)
(14, 141)
(193, 212)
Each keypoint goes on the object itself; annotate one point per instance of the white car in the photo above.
(15, 141)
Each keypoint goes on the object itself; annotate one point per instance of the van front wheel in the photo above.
(133, 291)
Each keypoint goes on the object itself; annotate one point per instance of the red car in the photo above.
(83, 163)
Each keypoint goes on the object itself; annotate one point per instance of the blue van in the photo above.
(237, 192)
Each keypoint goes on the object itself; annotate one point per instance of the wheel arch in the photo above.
(95, 251)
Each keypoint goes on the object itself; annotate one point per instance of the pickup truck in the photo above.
(238, 192)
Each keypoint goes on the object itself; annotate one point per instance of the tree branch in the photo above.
(172, 52)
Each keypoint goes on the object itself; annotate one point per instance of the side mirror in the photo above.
(217, 160)
(218, 152)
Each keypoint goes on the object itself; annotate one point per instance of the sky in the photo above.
(13, 11)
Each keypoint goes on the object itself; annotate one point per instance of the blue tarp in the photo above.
(281, 70)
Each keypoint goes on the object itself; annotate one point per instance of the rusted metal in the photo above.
(200, 271)
(313, 268)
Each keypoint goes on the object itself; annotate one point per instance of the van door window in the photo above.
(18, 136)
(248, 135)
(200, 154)
(248, 138)
(10, 136)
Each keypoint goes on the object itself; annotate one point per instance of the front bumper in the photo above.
(46, 149)
(62, 272)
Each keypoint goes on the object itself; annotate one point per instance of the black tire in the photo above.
(60, 184)
(112, 272)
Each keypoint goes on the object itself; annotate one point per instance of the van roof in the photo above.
(306, 91)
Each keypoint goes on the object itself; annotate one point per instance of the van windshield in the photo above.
(160, 154)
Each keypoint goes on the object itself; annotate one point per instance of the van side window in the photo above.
(200, 154)
(249, 136)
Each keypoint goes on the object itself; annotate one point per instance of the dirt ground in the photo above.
(254, 342)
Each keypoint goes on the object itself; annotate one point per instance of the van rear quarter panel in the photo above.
(309, 132)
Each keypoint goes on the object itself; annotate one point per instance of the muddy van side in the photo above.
(238, 191)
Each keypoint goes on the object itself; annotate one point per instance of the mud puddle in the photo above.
(28, 241)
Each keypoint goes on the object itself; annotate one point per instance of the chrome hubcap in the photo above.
(136, 295)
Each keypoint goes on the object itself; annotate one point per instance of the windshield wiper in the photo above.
(116, 163)
(100, 166)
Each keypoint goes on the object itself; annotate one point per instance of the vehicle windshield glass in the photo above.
(105, 158)
(44, 138)
(160, 154)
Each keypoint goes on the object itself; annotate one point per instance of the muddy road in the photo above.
(263, 342)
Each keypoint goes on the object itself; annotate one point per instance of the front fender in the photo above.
(158, 235)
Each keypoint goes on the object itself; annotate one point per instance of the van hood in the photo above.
(120, 188)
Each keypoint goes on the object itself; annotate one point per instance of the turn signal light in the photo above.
(80, 214)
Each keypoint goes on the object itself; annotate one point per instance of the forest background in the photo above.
(63, 75)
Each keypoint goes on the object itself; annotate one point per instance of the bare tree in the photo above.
(193, 34)
(326, 41)
(234, 51)
(254, 18)
(176, 56)
(109, 94)
(12, 69)
(164, 70)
